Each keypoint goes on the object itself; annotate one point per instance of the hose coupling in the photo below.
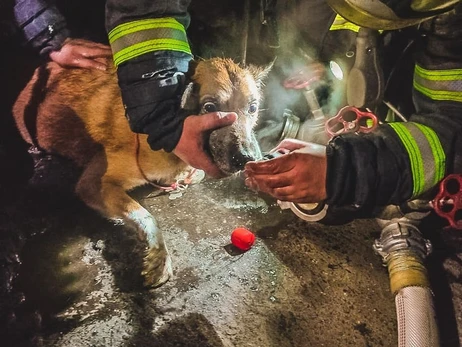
(399, 236)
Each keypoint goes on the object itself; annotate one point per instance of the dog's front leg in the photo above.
(157, 262)
(104, 194)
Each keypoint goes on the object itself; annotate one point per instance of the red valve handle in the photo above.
(351, 119)
(448, 201)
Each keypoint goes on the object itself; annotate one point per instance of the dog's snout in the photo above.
(238, 161)
(231, 152)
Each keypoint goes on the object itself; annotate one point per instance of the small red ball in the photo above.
(242, 238)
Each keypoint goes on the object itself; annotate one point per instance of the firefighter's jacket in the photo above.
(397, 162)
(152, 54)
(406, 160)
(41, 24)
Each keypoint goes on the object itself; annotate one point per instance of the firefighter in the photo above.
(398, 161)
(152, 53)
(395, 163)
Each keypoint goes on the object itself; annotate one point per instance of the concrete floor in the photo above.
(302, 284)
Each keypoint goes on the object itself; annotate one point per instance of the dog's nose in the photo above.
(239, 161)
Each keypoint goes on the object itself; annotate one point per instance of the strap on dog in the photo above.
(177, 186)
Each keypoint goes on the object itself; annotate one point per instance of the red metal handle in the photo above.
(351, 119)
(448, 201)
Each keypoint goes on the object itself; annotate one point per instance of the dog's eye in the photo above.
(209, 107)
(253, 108)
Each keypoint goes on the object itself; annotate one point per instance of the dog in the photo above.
(78, 114)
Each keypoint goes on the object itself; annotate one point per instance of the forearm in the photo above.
(367, 170)
(152, 53)
(43, 26)
(402, 161)
(398, 162)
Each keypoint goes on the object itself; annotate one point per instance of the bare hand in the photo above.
(82, 54)
(305, 77)
(193, 141)
(299, 176)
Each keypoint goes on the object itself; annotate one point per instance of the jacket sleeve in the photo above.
(151, 52)
(406, 160)
(42, 24)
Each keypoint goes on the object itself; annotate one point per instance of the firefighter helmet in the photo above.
(389, 14)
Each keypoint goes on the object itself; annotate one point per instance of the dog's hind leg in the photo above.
(104, 194)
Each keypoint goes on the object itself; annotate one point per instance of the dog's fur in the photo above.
(78, 114)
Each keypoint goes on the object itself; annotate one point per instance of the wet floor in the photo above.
(302, 284)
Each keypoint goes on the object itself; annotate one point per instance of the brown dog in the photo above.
(78, 114)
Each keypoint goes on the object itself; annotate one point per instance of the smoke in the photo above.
(295, 54)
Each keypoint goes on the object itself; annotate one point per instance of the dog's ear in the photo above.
(260, 72)
(190, 99)
(191, 69)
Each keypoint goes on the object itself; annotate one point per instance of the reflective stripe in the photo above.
(144, 24)
(341, 23)
(438, 166)
(133, 39)
(426, 156)
(439, 84)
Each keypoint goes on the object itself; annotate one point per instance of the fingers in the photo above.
(89, 64)
(99, 51)
(80, 56)
(216, 120)
(297, 176)
(88, 55)
(190, 147)
(284, 189)
(281, 188)
(280, 165)
(268, 183)
(291, 144)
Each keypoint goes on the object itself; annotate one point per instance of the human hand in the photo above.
(299, 176)
(306, 76)
(194, 139)
(82, 54)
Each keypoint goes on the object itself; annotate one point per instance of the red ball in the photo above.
(242, 238)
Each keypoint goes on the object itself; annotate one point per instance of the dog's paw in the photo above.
(157, 267)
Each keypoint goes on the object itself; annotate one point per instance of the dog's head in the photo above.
(219, 84)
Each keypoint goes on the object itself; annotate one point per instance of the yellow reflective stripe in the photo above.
(441, 85)
(439, 75)
(144, 24)
(132, 39)
(415, 158)
(341, 23)
(146, 35)
(439, 95)
(438, 153)
(150, 46)
(426, 155)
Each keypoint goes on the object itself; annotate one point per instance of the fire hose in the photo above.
(403, 250)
